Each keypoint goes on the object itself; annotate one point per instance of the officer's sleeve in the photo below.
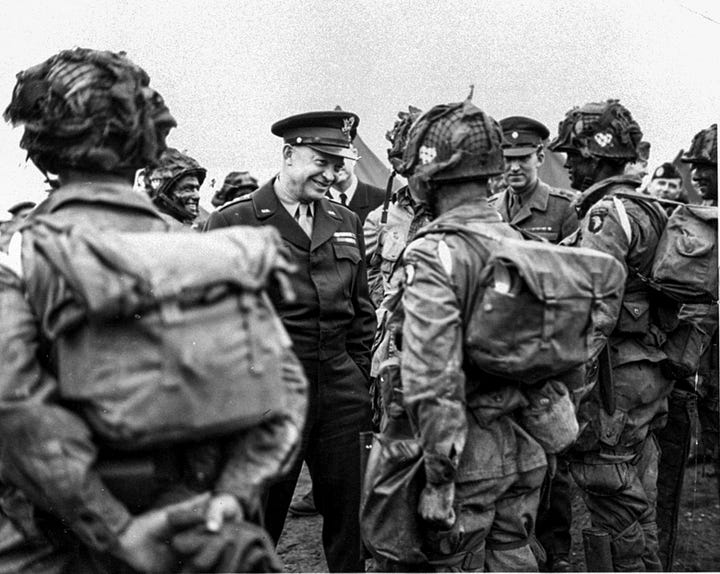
(432, 375)
(373, 248)
(268, 450)
(362, 328)
(47, 451)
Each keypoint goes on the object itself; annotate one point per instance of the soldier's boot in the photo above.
(627, 549)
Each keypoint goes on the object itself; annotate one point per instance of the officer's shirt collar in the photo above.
(349, 192)
(288, 202)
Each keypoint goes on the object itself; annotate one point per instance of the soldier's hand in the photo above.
(436, 504)
(144, 544)
(222, 507)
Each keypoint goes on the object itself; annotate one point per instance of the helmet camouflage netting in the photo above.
(453, 142)
(91, 110)
(398, 135)
(703, 149)
(599, 129)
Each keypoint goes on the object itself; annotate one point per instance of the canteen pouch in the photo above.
(550, 416)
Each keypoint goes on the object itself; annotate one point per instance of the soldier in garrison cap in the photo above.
(666, 183)
(331, 322)
(528, 203)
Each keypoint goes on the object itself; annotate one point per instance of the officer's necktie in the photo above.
(303, 215)
(515, 205)
(343, 198)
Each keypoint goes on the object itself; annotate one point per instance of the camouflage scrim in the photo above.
(453, 142)
(159, 182)
(398, 135)
(236, 184)
(703, 149)
(604, 130)
(90, 110)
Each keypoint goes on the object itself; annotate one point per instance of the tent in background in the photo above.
(552, 171)
(370, 167)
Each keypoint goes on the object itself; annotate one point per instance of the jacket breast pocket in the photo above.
(347, 258)
(634, 318)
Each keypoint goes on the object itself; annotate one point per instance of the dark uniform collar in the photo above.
(326, 217)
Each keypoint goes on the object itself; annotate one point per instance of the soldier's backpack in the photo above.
(685, 275)
(543, 309)
(160, 337)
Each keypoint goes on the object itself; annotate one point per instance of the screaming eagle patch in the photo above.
(597, 219)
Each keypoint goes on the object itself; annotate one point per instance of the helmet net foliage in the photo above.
(453, 142)
(703, 148)
(599, 129)
(90, 110)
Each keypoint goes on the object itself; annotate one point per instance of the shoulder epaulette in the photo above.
(564, 193)
(235, 201)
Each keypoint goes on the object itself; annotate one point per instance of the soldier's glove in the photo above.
(237, 547)
(436, 504)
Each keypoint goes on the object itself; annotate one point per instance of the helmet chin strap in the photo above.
(592, 177)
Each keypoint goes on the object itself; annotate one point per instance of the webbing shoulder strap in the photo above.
(623, 216)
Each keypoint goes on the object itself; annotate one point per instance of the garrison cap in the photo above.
(330, 132)
(666, 171)
(521, 135)
(20, 206)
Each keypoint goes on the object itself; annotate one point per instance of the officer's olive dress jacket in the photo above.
(546, 211)
(332, 311)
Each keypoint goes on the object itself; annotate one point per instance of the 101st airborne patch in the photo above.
(597, 219)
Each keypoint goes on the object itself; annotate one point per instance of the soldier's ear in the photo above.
(540, 156)
(287, 153)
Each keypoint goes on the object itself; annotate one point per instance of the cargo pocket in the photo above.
(601, 479)
(634, 318)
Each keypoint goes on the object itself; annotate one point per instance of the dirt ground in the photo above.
(698, 547)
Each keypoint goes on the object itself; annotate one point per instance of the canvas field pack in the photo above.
(686, 260)
(164, 337)
(544, 309)
(685, 266)
(684, 273)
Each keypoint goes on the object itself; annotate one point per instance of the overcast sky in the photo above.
(229, 69)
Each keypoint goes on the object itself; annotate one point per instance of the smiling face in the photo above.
(704, 180)
(666, 188)
(307, 173)
(187, 192)
(521, 172)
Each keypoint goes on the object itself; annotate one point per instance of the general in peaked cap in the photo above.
(522, 136)
(330, 132)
